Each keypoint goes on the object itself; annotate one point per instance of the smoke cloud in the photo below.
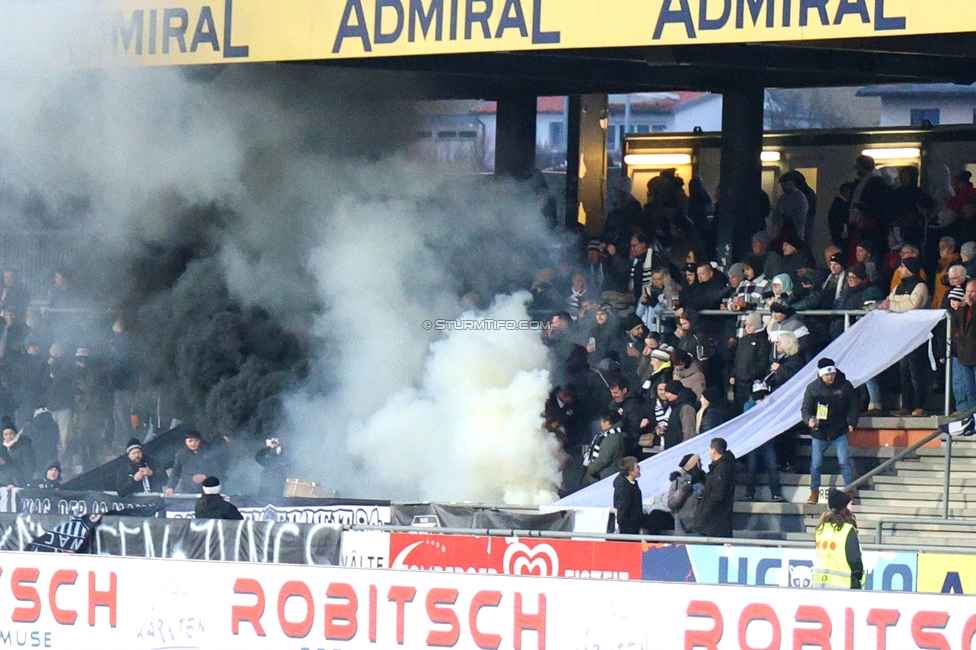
(275, 250)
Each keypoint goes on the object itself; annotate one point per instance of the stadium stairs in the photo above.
(911, 488)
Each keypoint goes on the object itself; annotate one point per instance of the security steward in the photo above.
(838, 562)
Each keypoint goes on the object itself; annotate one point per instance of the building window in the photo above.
(641, 128)
(612, 134)
(557, 134)
(657, 128)
(920, 115)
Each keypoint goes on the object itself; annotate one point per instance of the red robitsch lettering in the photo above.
(444, 627)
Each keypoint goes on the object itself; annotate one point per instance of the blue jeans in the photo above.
(767, 453)
(843, 458)
(963, 385)
(874, 391)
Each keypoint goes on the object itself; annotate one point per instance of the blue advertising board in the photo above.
(784, 567)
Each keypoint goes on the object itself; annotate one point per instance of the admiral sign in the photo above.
(516, 556)
(179, 32)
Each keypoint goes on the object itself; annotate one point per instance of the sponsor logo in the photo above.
(521, 560)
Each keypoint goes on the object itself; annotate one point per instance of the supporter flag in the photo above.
(73, 536)
(857, 353)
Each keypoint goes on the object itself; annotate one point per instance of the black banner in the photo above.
(212, 539)
(435, 515)
(351, 512)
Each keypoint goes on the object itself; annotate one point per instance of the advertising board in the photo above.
(516, 556)
(783, 567)
(71, 601)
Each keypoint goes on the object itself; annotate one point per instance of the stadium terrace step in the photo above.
(881, 453)
(929, 509)
(959, 450)
(781, 508)
(926, 473)
(896, 423)
(882, 482)
(911, 489)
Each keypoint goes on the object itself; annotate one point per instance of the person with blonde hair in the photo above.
(838, 563)
(787, 360)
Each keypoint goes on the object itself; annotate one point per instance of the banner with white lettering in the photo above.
(350, 512)
(67, 602)
(237, 541)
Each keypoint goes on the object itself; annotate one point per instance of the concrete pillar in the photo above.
(515, 137)
(740, 214)
(586, 162)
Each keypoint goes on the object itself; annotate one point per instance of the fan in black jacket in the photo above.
(713, 518)
(136, 475)
(830, 409)
(212, 505)
(751, 361)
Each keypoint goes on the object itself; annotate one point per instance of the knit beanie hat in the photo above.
(660, 355)
(211, 485)
(674, 387)
(912, 264)
(133, 444)
(689, 461)
(825, 367)
(837, 500)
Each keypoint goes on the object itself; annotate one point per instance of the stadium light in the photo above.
(893, 154)
(657, 159)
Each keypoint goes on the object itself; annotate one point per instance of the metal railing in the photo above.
(650, 539)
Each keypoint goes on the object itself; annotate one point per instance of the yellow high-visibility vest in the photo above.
(830, 568)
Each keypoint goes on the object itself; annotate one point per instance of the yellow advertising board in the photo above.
(946, 574)
(168, 32)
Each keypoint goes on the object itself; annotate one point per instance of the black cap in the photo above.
(782, 308)
(912, 264)
(632, 321)
(674, 387)
(837, 500)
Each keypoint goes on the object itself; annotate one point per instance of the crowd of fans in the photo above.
(71, 400)
(632, 350)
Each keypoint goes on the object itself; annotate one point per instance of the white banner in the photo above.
(872, 344)
(69, 602)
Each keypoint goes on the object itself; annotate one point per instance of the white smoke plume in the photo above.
(424, 415)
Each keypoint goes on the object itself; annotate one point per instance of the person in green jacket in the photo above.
(603, 455)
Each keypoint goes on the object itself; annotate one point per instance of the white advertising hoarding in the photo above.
(73, 601)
